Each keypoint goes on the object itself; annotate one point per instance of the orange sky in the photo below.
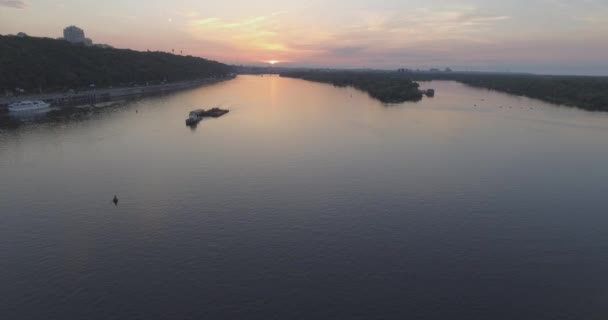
(554, 36)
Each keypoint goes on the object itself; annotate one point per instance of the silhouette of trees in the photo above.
(589, 93)
(583, 92)
(41, 64)
(385, 87)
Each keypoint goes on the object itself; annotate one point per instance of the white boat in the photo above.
(28, 106)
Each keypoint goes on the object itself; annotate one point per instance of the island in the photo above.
(383, 86)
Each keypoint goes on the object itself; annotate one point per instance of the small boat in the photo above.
(28, 106)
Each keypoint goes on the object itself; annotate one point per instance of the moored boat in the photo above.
(28, 106)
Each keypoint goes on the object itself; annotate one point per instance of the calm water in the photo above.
(307, 202)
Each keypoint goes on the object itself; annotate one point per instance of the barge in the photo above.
(195, 116)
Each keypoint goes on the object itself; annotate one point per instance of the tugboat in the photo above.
(196, 116)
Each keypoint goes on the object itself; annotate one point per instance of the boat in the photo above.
(28, 106)
(216, 112)
(195, 116)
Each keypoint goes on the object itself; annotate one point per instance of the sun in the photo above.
(273, 62)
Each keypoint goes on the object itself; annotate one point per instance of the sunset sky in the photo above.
(542, 36)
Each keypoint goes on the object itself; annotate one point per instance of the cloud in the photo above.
(188, 14)
(355, 36)
(347, 51)
(253, 34)
(18, 4)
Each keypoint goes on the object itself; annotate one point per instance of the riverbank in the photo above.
(109, 94)
(583, 92)
(384, 87)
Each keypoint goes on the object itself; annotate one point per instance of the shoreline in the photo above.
(385, 88)
(61, 99)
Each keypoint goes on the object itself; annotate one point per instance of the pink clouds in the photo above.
(18, 4)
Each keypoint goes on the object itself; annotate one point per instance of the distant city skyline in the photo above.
(538, 36)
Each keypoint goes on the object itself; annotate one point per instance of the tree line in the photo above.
(386, 87)
(48, 65)
(585, 92)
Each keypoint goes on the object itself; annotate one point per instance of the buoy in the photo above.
(115, 200)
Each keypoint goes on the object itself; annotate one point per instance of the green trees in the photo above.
(589, 93)
(52, 65)
(385, 87)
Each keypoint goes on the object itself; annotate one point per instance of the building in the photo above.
(74, 34)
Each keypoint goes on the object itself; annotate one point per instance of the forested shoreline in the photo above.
(584, 92)
(37, 65)
(386, 87)
(42, 65)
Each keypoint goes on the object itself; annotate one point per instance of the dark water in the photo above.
(307, 203)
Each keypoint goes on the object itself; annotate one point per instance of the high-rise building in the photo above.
(73, 34)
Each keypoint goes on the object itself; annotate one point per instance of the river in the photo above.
(307, 201)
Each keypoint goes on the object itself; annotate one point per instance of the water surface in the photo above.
(307, 201)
